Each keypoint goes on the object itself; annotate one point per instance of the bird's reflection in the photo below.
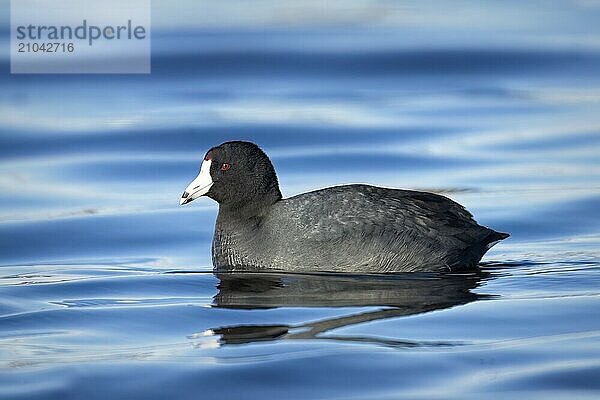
(393, 296)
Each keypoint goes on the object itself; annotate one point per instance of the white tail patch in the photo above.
(492, 244)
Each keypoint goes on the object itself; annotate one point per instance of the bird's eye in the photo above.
(225, 167)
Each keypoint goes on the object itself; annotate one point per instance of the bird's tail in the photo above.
(494, 237)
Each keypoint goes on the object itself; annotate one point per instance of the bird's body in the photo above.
(351, 228)
(359, 228)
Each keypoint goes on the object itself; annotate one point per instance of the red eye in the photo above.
(225, 167)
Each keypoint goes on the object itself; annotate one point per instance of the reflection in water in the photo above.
(398, 294)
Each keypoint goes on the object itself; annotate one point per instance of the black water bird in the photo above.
(350, 228)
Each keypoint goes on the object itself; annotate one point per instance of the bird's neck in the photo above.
(252, 208)
(238, 231)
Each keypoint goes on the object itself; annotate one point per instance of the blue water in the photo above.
(106, 283)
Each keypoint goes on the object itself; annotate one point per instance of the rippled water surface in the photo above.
(106, 284)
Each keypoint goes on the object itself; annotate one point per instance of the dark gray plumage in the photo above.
(351, 228)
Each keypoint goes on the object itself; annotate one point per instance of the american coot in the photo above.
(350, 228)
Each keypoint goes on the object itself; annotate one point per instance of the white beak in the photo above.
(199, 186)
